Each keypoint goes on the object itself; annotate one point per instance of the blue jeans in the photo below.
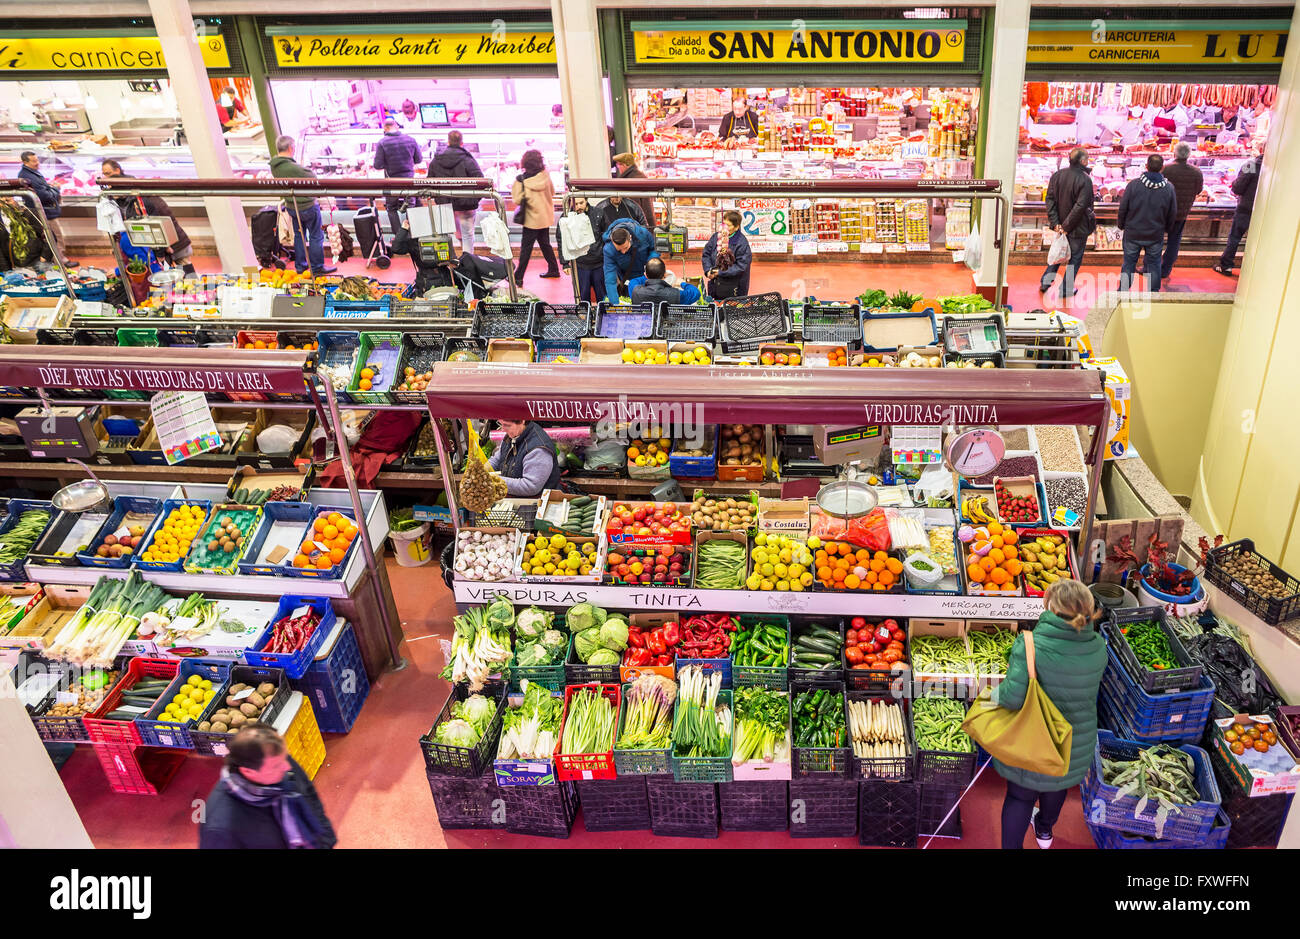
(1240, 222)
(308, 220)
(1077, 244)
(1171, 249)
(1151, 251)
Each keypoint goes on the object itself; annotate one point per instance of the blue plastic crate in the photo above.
(548, 350)
(709, 666)
(357, 309)
(869, 317)
(158, 733)
(625, 320)
(1192, 823)
(1109, 839)
(137, 559)
(34, 288)
(272, 512)
(296, 664)
(17, 570)
(1164, 716)
(326, 573)
(697, 467)
(122, 505)
(91, 292)
(336, 683)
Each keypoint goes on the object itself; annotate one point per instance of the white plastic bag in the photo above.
(974, 255)
(284, 226)
(919, 577)
(108, 216)
(277, 438)
(495, 235)
(1059, 253)
(576, 235)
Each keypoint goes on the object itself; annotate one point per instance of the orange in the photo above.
(997, 541)
(364, 384)
(982, 546)
(336, 555)
(894, 566)
(975, 573)
(323, 562)
(330, 532)
(1010, 536)
(307, 548)
(300, 561)
(882, 555)
(838, 575)
(272, 344)
(999, 576)
(367, 373)
(843, 564)
(863, 555)
(333, 518)
(823, 573)
(852, 581)
(1013, 567)
(320, 525)
(845, 550)
(821, 557)
(350, 535)
(987, 563)
(886, 578)
(871, 577)
(259, 344)
(878, 586)
(995, 528)
(1010, 552)
(340, 543)
(877, 565)
(996, 554)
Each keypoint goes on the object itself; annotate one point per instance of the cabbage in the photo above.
(533, 653)
(587, 642)
(581, 616)
(603, 657)
(613, 635)
(532, 622)
(500, 614)
(476, 710)
(456, 733)
(555, 641)
(598, 616)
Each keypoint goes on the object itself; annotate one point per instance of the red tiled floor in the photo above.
(373, 783)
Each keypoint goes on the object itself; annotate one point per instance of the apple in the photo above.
(767, 358)
(103, 551)
(795, 358)
(110, 540)
(782, 359)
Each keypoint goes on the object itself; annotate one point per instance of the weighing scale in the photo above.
(434, 249)
(154, 231)
(860, 443)
(670, 240)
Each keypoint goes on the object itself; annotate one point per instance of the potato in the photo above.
(266, 689)
(205, 726)
(249, 710)
(236, 719)
(235, 689)
(220, 727)
(257, 701)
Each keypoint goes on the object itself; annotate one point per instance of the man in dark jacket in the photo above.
(1244, 187)
(308, 235)
(264, 800)
(627, 247)
(396, 154)
(526, 459)
(727, 269)
(1188, 183)
(51, 200)
(1069, 212)
(455, 162)
(654, 289)
(625, 163)
(1147, 213)
(588, 265)
(140, 206)
(616, 208)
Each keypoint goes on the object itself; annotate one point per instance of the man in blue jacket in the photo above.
(728, 270)
(627, 247)
(654, 289)
(51, 199)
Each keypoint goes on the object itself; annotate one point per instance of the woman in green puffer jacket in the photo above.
(1069, 657)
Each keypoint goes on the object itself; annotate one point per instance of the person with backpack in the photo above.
(455, 162)
(627, 247)
(653, 288)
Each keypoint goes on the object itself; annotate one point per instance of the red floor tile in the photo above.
(373, 782)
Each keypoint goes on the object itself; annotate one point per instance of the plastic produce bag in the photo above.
(495, 235)
(606, 455)
(576, 235)
(277, 438)
(1059, 253)
(108, 216)
(919, 576)
(870, 531)
(974, 255)
(1239, 682)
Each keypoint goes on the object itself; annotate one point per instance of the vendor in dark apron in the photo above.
(526, 459)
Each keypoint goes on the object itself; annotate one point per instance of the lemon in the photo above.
(193, 680)
(783, 585)
(558, 541)
(675, 358)
(661, 359)
(549, 568)
(638, 357)
(814, 542)
(179, 699)
(627, 355)
(781, 570)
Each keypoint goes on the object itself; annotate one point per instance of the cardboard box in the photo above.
(62, 433)
(961, 685)
(646, 347)
(784, 515)
(25, 315)
(49, 614)
(554, 497)
(609, 351)
(647, 622)
(739, 537)
(510, 350)
(1119, 392)
(1247, 770)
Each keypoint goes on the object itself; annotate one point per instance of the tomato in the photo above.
(858, 623)
(892, 655)
(862, 665)
(854, 654)
(899, 635)
(851, 637)
(869, 647)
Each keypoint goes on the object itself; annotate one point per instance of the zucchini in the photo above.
(821, 632)
(813, 658)
(817, 645)
(580, 502)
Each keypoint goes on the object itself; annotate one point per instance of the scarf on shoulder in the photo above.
(299, 825)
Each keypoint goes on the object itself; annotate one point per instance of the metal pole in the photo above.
(25, 192)
(367, 549)
(1004, 203)
(444, 464)
(1094, 485)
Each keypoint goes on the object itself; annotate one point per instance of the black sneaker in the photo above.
(1219, 269)
(551, 274)
(1044, 839)
(71, 264)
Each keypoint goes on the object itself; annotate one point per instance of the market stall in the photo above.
(335, 83)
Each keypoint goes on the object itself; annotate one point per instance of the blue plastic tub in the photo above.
(356, 309)
(336, 683)
(296, 664)
(273, 512)
(625, 320)
(335, 571)
(138, 558)
(1109, 839)
(157, 733)
(122, 505)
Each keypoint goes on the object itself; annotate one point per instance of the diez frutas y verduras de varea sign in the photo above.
(500, 46)
(799, 46)
(161, 379)
(105, 53)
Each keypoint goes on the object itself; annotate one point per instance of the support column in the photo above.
(252, 46)
(577, 52)
(175, 25)
(1006, 69)
(35, 811)
(1249, 480)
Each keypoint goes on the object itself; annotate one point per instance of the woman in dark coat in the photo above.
(142, 206)
(1069, 658)
(625, 163)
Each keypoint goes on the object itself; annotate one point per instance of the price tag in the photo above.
(66, 697)
(1066, 517)
(132, 708)
(832, 247)
(871, 247)
(184, 623)
(241, 695)
(300, 612)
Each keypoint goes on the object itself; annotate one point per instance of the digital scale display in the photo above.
(852, 434)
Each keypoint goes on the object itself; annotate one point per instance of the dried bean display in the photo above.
(1017, 438)
(1011, 466)
(1058, 448)
(1068, 492)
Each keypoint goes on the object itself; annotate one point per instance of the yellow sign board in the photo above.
(1147, 46)
(98, 53)
(802, 47)
(489, 47)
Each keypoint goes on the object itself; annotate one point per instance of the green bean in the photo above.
(937, 725)
(933, 655)
(18, 540)
(720, 565)
(990, 652)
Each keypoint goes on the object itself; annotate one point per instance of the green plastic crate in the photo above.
(776, 677)
(369, 342)
(137, 337)
(707, 769)
(550, 677)
(639, 762)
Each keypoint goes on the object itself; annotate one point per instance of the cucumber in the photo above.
(239, 496)
(802, 658)
(580, 502)
(816, 646)
(821, 632)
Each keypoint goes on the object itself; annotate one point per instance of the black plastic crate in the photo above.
(897, 769)
(747, 322)
(1152, 681)
(501, 320)
(682, 810)
(996, 321)
(932, 805)
(826, 762)
(451, 307)
(681, 322)
(421, 350)
(625, 320)
(547, 811)
(1256, 822)
(576, 672)
(464, 761)
(823, 808)
(977, 358)
(464, 802)
(800, 625)
(615, 804)
(832, 322)
(465, 345)
(754, 805)
(1271, 611)
(561, 321)
(887, 813)
(880, 681)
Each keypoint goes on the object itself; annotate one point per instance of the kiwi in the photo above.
(214, 545)
(230, 547)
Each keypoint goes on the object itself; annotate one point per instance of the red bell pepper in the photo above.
(639, 656)
(655, 642)
(636, 638)
(672, 634)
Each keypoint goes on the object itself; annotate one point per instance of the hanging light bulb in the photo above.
(125, 103)
(57, 103)
(24, 102)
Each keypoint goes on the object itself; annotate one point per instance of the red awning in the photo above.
(839, 396)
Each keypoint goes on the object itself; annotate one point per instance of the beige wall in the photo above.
(1171, 351)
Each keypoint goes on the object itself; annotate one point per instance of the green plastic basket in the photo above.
(775, 677)
(639, 762)
(707, 769)
(369, 342)
(550, 677)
